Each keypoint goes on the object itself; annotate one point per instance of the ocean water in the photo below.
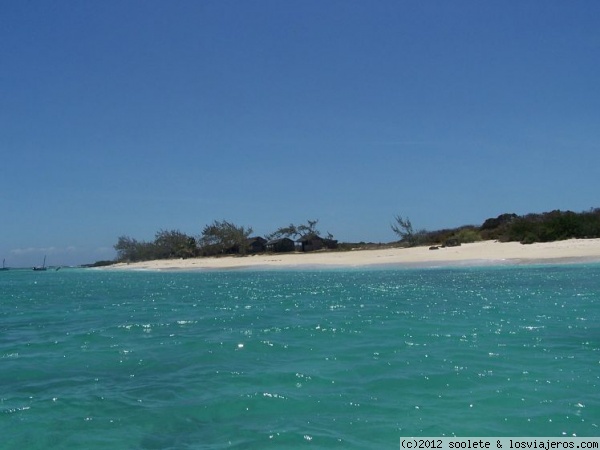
(348, 359)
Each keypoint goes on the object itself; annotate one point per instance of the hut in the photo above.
(313, 242)
(256, 244)
(281, 245)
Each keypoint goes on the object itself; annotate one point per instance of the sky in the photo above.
(124, 118)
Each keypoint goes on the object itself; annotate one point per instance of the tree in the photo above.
(126, 248)
(308, 229)
(174, 244)
(404, 229)
(295, 231)
(129, 249)
(291, 231)
(224, 237)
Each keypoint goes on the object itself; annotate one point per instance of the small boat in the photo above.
(42, 267)
(3, 266)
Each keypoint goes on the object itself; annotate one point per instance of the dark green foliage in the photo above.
(218, 238)
(467, 235)
(546, 227)
(167, 244)
(464, 235)
(174, 244)
(529, 238)
(129, 249)
(223, 237)
(440, 236)
(496, 228)
(589, 223)
(494, 223)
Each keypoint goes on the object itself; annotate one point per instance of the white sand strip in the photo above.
(479, 253)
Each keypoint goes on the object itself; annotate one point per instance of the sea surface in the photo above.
(283, 359)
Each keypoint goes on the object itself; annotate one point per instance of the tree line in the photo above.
(527, 229)
(217, 238)
(224, 237)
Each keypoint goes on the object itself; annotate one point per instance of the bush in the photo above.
(530, 238)
(467, 235)
(553, 226)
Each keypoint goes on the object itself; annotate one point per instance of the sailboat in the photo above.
(3, 266)
(42, 267)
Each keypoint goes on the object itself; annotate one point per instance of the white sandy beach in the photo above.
(478, 253)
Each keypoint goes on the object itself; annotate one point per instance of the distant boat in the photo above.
(3, 266)
(42, 267)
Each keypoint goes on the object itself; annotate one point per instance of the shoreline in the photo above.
(484, 253)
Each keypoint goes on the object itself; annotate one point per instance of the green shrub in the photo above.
(468, 235)
(529, 238)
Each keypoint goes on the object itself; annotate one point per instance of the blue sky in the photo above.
(127, 117)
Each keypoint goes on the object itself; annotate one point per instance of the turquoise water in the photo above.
(296, 359)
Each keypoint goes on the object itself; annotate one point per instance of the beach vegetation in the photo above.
(166, 244)
(403, 228)
(527, 229)
(408, 236)
(497, 227)
(174, 244)
(468, 235)
(462, 235)
(297, 231)
(131, 250)
(545, 227)
(224, 237)
(101, 263)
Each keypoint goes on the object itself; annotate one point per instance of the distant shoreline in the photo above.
(474, 254)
